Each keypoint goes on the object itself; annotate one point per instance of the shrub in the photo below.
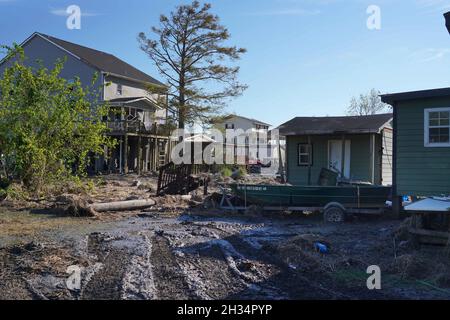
(48, 125)
(226, 171)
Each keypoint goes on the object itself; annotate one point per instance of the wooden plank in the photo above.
(431, 233)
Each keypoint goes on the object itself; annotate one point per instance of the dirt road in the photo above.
(152, 256)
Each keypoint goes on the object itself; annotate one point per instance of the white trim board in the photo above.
(426, 129)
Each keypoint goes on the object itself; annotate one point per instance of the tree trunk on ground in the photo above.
(123, 205)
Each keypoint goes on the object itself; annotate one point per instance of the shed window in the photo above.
(304, 154)
(437, 127)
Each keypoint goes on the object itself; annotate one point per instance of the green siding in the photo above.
(359, 158)
(421, 171)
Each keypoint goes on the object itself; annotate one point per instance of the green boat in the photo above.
(313, 196)
(335, 201)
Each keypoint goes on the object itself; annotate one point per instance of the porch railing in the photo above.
(136, 126)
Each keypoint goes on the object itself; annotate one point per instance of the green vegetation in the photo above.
(233, 171)
(226, 171)
(48, 126)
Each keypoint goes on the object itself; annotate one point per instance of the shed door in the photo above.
(335, 156)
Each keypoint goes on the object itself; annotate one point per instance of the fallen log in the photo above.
(123, 205)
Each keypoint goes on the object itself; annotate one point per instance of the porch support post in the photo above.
(139, 155)
(153, 154)
(147, 155)
(157, 153)
(372, 159)
(309, 160)
(125, 162)
(343, 157)
(120, 155)
(110, 159)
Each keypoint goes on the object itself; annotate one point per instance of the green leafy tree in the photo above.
(48, 125)
(367, 104)
(188, 50)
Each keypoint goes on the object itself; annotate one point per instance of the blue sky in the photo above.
(305, 57)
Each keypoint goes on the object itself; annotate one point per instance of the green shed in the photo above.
(421, 142)
(358, 148)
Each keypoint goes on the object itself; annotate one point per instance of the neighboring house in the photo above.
(253, 147)
(134, 119)
(421, 142)
(198, 142)
(360, 147)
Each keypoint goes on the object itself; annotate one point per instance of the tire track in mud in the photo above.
(138, 282)
(124, 271)
(283, 283)
(170, 282)
(106, 283)
(215, 269)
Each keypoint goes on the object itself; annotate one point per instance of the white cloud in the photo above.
(430, 54)
(433, 6)
(286, 12)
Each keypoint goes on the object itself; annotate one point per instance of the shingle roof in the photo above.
(422, 94)
(103, 61)
(331, 125)
(249, 119)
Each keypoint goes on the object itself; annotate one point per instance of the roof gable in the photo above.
(247, 119)
(100, 60)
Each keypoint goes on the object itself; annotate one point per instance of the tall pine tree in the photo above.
(189, 49)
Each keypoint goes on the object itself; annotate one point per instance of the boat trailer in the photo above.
(334, 211)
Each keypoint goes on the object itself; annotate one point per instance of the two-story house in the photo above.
(135, 117)
(251, 143)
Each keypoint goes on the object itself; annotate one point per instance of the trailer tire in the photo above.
(254, 210)
(334, 213)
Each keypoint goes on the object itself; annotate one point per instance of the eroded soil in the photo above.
(150, 255)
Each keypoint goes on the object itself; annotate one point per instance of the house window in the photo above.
(119, 90)
(437, 127)
(304, 154)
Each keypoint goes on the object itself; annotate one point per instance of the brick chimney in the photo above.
(447, 20)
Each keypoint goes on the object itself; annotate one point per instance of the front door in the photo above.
(335, 156)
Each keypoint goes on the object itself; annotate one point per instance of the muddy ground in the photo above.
(183, 251)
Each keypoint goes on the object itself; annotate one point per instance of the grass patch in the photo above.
(351, 277)
(26, 223)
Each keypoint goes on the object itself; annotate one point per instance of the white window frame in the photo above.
(309, 154)
(119, 89)
(427, 142)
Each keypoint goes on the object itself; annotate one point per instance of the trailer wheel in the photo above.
(254, 210)
(334, 214)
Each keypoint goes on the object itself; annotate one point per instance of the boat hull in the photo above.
(313, 196)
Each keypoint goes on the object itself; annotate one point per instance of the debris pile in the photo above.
(301, 253)
(78, 207)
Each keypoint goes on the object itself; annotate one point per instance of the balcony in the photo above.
(120, 127)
